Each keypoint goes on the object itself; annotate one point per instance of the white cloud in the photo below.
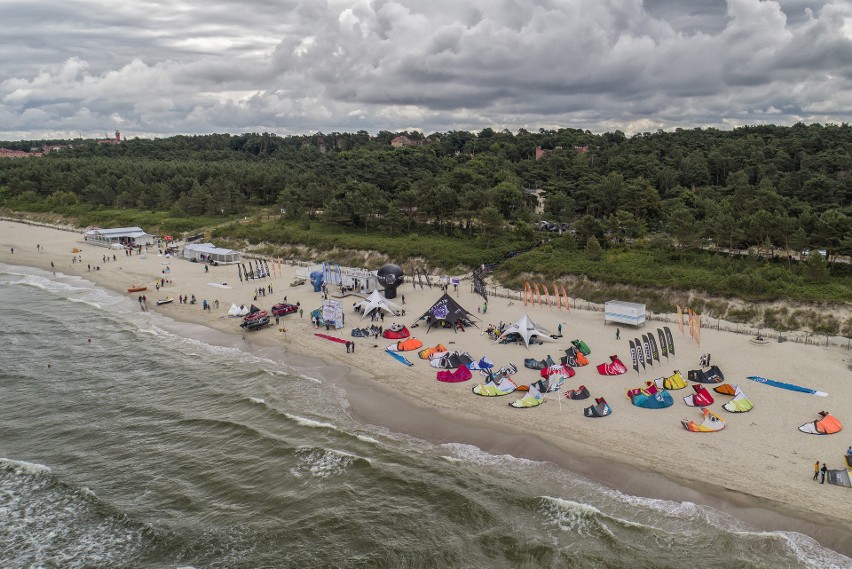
(309, 65)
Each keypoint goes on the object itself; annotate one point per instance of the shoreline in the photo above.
(410, 401)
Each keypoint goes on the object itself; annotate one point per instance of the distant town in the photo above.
(37, 151)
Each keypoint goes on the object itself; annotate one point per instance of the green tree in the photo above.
(594, 251)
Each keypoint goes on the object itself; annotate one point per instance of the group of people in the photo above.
(183, 299)
(704, 360)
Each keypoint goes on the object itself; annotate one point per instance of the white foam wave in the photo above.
(22, 467)
(305, 422)
(577, 518)
(582, 510)
(367, 439)
(688, 511)
(257, 400)
(89, 295)
(475, 455)
(323, 463)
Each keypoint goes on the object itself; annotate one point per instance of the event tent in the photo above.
(526, 329)
(374, 301)
(446, 312)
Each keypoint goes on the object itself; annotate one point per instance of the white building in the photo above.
(209, 253)
(125, 236)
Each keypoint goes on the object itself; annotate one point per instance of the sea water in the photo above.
(127, 442)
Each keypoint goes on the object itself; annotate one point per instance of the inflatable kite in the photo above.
(495, 386)
(451, 360)
(740, 403)
(532, 363)
(580, 393)
(827, 424)
(461, 374)
(534, 396)
(407, 345)
(726, 389)
(483, 364)
(396, 332)
(712, 375)
(672, 382)
(712, 422)
(650, 398)
(399, 357)
(428, 353)
(600, 409)
(575, 358)
(563, 370)
(582, 346)
(701, 397)
(614, 368)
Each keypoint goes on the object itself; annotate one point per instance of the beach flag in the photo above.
(565, 297)
(680, 318)
(527, 293)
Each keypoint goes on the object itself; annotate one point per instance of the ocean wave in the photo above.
(23, 467)
(475, 455)
(305, 422)
(85, 294)
(49, 523)
(323, 463)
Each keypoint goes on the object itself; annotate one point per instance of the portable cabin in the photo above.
(624, 312)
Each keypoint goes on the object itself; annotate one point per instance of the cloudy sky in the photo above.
(152, 69)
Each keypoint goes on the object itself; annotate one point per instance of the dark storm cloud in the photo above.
(152, 68)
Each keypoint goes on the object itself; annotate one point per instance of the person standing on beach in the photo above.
(823, 470)
(353, 347)
(618, 333)
(348, 343)
(816, 470)
(708, 360)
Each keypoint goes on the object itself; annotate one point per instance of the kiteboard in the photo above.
(789, 386)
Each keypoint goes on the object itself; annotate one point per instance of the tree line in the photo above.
(757, 187)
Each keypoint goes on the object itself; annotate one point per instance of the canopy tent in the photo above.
(526, 329)
(376, 301)
(447, 312)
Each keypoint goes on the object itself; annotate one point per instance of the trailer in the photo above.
(624, 312)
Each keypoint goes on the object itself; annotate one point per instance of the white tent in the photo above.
(237, 310)
(376, 300)
(526, 329)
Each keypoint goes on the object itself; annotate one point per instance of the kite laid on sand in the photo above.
(712, 422)
(827, 424)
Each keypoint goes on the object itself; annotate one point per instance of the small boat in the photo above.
(165, 301)
(136, 288)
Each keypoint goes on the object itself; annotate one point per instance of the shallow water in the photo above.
(146, 447)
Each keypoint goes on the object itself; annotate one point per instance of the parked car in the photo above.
(284, 308)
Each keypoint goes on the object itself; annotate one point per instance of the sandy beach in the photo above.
(758, 468)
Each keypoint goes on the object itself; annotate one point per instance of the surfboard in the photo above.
(789, 386)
